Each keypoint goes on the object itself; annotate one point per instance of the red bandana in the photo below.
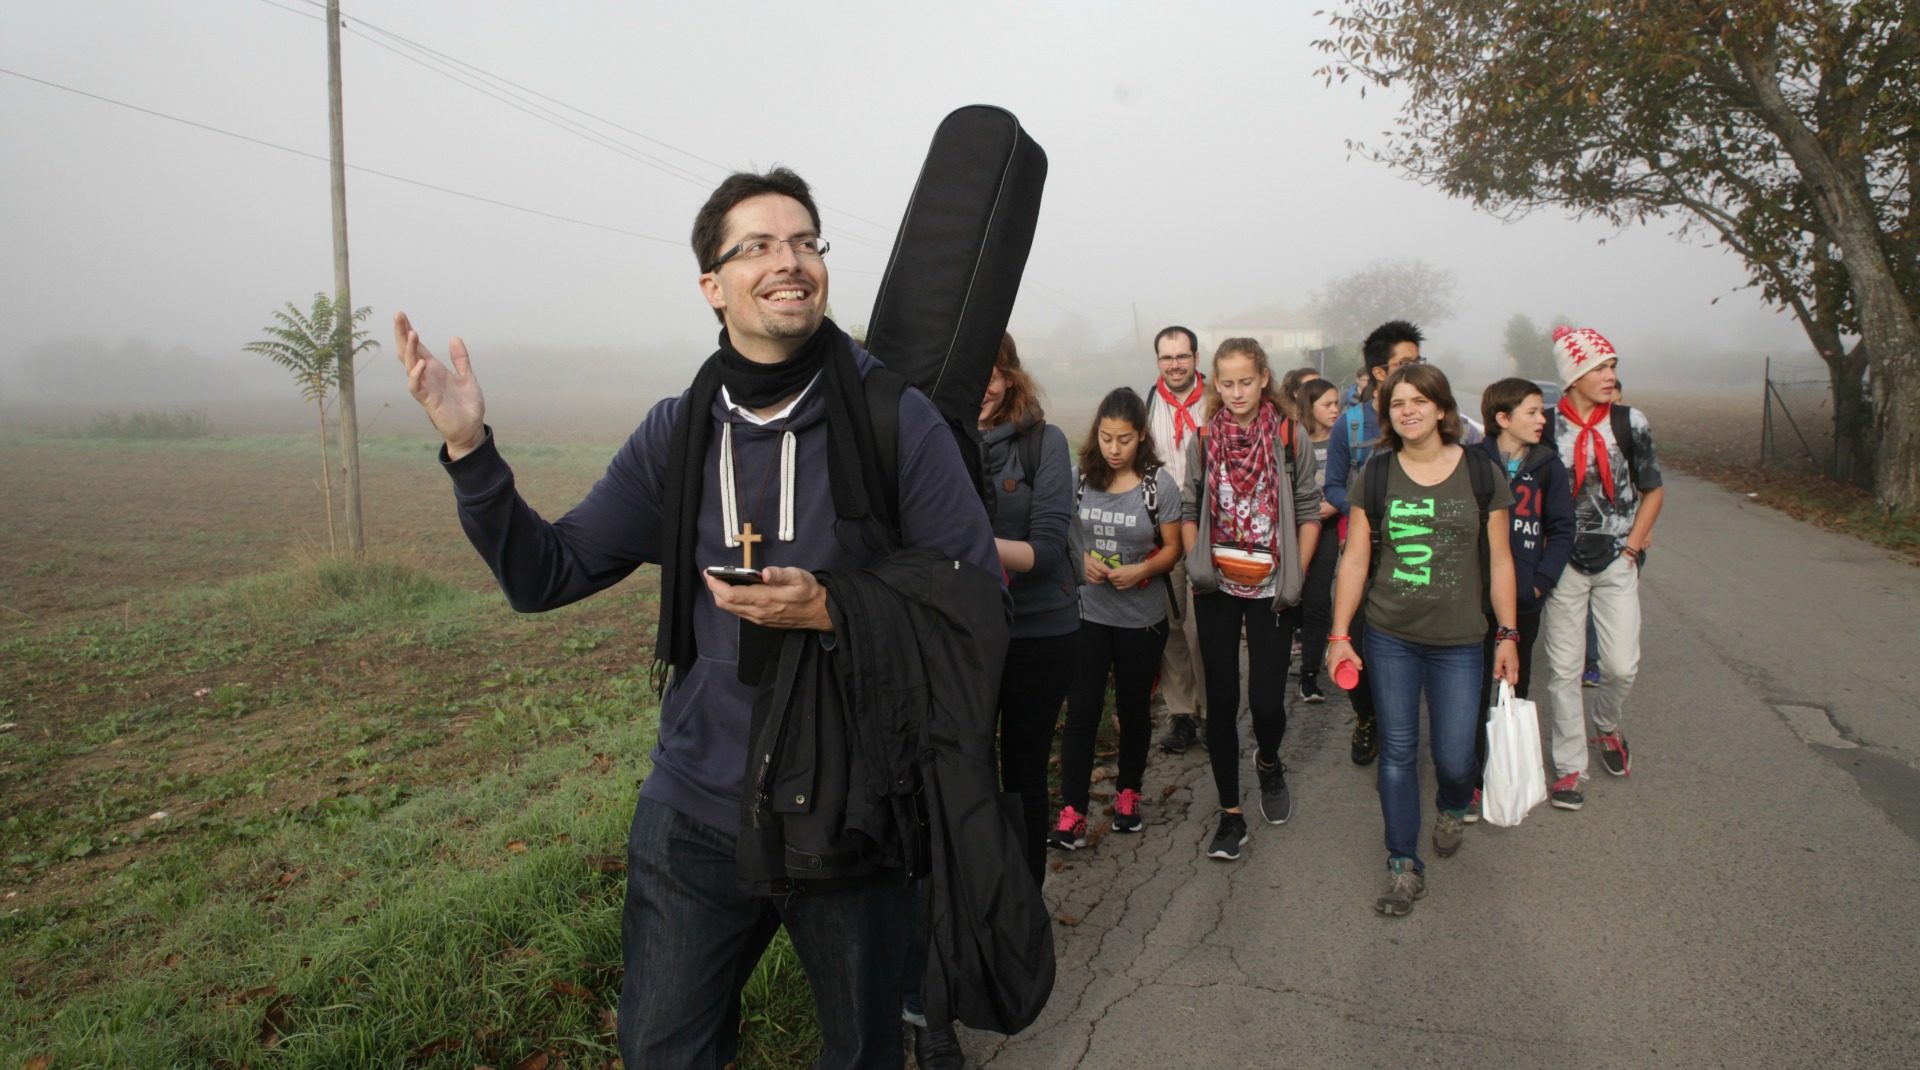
(1589, 431)
(1182, 416)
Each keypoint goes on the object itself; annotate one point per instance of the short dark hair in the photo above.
(1432, 383)
(1193, 340)
(1120, 403)
(710, 223)
(1379, 345)
(1504, 397)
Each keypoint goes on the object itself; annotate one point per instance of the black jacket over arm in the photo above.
(874, 760)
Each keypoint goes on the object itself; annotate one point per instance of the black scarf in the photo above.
(852, 472)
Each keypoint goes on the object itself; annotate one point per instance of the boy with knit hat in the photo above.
(1617, 493)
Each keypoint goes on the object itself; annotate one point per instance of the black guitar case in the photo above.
(951, 280)
(942, 307)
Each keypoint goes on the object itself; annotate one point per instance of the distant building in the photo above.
(1288, 342)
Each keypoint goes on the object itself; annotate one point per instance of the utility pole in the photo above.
(343, 293)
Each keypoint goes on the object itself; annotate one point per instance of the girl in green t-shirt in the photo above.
(1443, 561)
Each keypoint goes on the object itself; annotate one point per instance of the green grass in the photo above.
(396, 815)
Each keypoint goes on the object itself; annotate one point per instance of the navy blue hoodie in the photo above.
(1542, 521)
(701, 759)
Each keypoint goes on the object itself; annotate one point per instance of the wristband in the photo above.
(1339, 638)
(1504, 634)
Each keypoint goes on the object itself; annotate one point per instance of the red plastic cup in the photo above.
(1346, 675)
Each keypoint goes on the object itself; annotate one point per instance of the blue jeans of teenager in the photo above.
(692, 938)
(1399, 672)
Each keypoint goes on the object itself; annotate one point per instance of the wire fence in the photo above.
(1796, 423)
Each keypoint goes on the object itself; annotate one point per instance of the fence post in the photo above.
(1766, 409)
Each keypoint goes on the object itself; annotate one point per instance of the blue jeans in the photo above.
(692, 938)
(1450, 675)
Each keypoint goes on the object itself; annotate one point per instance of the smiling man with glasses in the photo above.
(1176, 408)
(747, 468)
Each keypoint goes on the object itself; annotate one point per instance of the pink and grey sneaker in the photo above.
(1472, 816)
(1070, 832)
(1126, 811)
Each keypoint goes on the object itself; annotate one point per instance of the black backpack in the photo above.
(1480, 472)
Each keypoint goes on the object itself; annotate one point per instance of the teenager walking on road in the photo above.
(1129, 516)
(1251, 519)
(1030, 480)
(1617, 494)
(1319, 405)
(1427, 553)
(1541, 536)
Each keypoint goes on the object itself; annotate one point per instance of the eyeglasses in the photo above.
(812, 247)
(1174, 358)
(1405, 363)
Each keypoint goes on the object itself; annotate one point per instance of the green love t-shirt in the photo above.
(1428, 586)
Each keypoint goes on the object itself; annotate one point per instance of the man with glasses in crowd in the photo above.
(1176, 408)
(709, 479)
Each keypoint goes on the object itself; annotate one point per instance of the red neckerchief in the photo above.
(1589, 429)
(1244, 458)
(1182, 418)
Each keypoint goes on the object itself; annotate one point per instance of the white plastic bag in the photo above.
(1516, 781)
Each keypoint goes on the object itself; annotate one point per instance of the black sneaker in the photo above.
(1310, 688)
(1231, 837)
(1565, 793)
(936, 1048)
(1365, 747)
(1614, 757)
(1276, 802)
(1180, 734)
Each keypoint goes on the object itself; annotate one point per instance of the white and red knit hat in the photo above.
(1579, 350)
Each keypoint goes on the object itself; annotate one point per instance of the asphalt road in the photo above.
(1748, 898)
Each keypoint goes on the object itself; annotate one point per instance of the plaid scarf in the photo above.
(1241, 480)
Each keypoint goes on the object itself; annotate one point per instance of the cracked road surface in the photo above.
(1746, 899)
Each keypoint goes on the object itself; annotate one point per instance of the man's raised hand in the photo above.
(450, 396)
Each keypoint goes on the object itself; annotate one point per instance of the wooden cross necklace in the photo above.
(742, 536)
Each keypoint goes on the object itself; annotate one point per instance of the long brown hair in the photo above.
(1432, 384)
(1243, 347)
(1020, 404)
(1305, 398)
(1120, 403)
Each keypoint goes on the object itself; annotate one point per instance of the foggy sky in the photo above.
(1198, 172)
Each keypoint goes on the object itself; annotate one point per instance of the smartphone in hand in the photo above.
(735, 575)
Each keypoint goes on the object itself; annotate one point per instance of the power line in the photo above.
(354, 167)
(548, 116)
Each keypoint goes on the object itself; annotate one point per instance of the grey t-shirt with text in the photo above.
(1117, 527)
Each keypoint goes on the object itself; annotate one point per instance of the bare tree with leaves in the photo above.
(305, 344)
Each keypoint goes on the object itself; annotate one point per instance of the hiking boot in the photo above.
(1276, 802)
(1565, 793)
(1310, 688)
(1070, 832)
(1590, 678)
(1449, 829)
(1126, 811)
(1403, 886)
(936, 1048)
(1180, 734)
(1472, 816)
(1365, 746)
(1614, 757)
(1231, 837)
